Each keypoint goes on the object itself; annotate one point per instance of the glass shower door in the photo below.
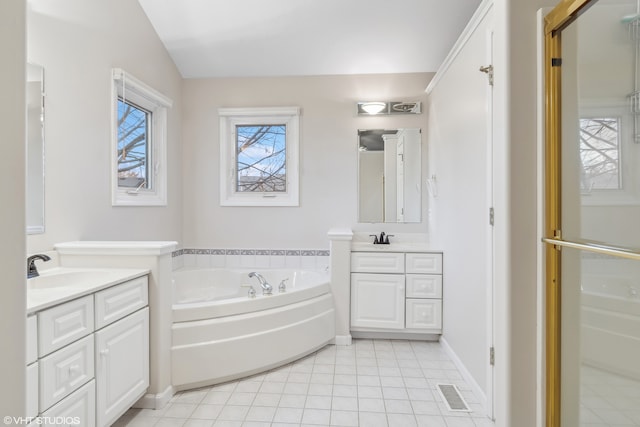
(593, 215)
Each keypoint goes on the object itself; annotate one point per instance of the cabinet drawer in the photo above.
(119, 301)
(64, 371)
(63, 324)
(424, 263)
(374, 262)
(424, 286)
(32, 390)
(424, 314)
(32, 339)
(78, 409)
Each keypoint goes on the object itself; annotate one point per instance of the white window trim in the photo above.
(136, 91)
(629, 194)
(229, 118)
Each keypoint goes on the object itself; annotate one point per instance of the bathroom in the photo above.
(76, 210)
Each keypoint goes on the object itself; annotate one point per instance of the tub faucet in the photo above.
(32, 271)
(267, 289)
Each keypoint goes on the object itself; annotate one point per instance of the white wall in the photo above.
(12, 209)
(459, 152)
(515, 187)
(78, 43)
(328, 157)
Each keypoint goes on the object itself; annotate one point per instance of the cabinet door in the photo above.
(122, 365)
(377, 300)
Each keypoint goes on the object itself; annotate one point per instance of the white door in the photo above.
(490, 232)
(122, 365)
(377, 301)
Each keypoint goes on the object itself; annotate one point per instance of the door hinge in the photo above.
(491, 216)
(488, 70)
(492, 356)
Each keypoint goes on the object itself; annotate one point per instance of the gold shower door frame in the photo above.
(560, 17)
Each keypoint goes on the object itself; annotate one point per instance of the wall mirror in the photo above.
(389, 171)
(35, 149)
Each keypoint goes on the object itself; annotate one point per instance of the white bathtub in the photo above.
(611, 322)
(219, 333)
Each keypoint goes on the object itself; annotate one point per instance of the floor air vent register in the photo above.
(452, 398)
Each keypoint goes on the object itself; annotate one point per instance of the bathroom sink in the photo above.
(60, 284)
(56, 278)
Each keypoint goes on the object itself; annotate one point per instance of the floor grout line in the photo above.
(409, 400)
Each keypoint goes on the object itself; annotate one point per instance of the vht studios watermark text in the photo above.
(74, 421)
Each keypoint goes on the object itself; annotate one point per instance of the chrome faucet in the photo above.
(32, 271)
(267, 289)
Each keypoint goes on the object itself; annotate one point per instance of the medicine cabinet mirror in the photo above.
(389, 171)
(35, 149)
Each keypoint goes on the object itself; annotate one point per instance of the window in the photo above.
(600, 153)
(608, 154)
(139, 176)
(259, 156)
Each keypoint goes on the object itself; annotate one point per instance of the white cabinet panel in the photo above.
(63, 324)
(116, 302)
(32, 339)
(122, 372)
(424, 286)
(377, 262)
(32, 390)
(424, 314)
(78, 409)
(426, 263)
(377, 300)
(65, 370)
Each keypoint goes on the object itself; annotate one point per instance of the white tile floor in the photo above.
(370, 383)
(607, 399)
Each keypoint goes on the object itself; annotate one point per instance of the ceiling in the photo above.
(249, 38)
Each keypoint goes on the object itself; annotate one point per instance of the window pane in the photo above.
(600, 153)
(133, 145)
(261, 158)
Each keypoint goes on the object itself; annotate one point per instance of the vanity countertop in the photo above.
(393, 247)
(61, 284)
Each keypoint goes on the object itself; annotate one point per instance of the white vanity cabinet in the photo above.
(396, 292)
(32, 366)
(122, 348)
(92, 355)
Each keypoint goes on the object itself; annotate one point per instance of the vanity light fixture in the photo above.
(372, 108)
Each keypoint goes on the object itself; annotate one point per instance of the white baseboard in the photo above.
(155, 401)
(477, 391)
(342, 340)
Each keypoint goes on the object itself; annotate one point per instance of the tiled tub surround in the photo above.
(307, 259)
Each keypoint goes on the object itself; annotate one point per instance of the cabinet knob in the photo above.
(73, 369)
(104, 352)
